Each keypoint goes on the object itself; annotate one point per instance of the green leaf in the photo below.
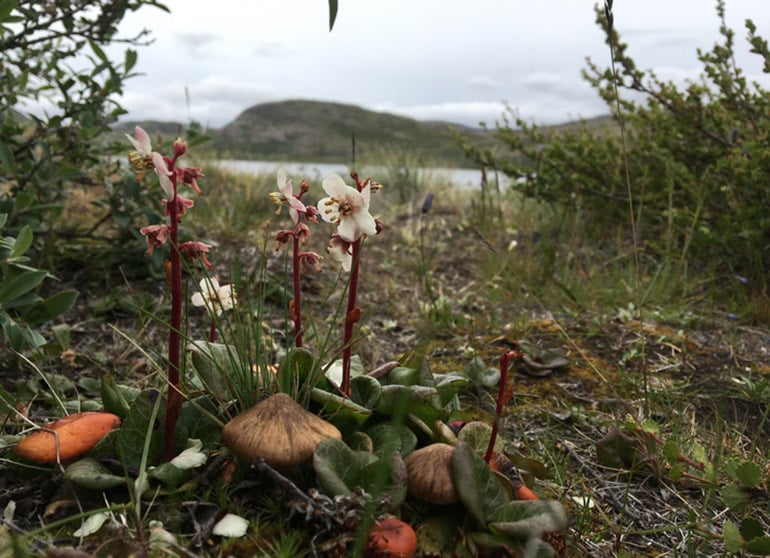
(478, 488)
(748, 474)
(448, 385)
(7, 160)
(751, 528)
(21, 284)
(671, 451)
(476, 434)
(365, 391)
(340, 407)
(479, 374)
(7, 6)
(388, 438)
(398, 398)
(51, 307)
(760, 545)
(130, 59)
(386, 476)
(116, 398)
(528, 519)
(130, 441)
(180, 468)
(91, 474)
(332, 13)
(338, 468)
(296, 368)
(732, 537)
(401, 375)
(734, 497)
(98, 52)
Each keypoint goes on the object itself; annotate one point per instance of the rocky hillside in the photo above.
(320, 131)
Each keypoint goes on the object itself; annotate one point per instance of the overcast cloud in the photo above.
(447, 60)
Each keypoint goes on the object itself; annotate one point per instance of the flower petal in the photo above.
(329, 210)
(334, 185)
(142, 142)
(163, 174)
(352, 226)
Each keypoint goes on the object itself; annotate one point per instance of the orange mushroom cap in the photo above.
(391, 538)
(76, 434)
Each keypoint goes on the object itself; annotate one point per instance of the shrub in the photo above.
(696, 158)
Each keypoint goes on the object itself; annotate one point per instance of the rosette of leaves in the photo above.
(340, 470)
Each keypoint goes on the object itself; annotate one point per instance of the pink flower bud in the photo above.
(180, 147)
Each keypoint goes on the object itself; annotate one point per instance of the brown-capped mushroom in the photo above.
(277, 430)
(429, 471)
(75, 435)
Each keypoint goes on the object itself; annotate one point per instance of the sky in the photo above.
(452, 60)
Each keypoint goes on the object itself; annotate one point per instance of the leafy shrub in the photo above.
(696, 158)
(52, 57)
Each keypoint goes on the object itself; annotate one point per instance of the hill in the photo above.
(320, 131)
(301, 130)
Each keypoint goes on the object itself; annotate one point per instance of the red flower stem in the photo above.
(213, 331)
(350, 319)
(504, 361)
(174, 398)
(296, 311)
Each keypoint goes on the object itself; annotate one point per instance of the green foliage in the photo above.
(692, 158)
(48, 154)
(21, 308)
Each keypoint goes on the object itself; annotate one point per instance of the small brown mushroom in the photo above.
(74, 435)
(277, 430)
(429, 471)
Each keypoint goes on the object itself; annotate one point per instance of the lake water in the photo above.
(459, 178)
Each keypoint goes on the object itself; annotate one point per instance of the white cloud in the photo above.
(484, 83)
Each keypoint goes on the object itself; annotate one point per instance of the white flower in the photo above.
(339, 251)
(347, 208)
(143, 146)
(142, 141)
(285, 195)
(215, 297)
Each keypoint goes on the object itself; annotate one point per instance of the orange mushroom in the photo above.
(391, 538)
(75, 435)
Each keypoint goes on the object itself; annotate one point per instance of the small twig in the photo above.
(286, 484)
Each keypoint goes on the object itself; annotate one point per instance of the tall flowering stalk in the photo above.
(170, 176)
(348, 209)
(298, 235)
(504, 394)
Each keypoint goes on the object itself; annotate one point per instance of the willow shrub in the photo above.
(694, 158)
